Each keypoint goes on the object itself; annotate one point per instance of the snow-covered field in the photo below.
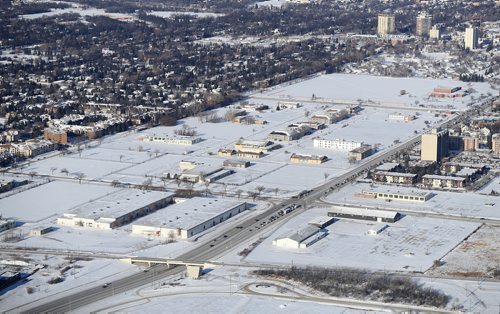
(383, 91)
(466, 204)
(49, 200)
(411, 244)
(477, 256)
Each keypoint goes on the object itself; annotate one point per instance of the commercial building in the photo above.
(386, 24)
(115, 209)
(300, 239)
(38, 232)
(360, 153)
(236, 163)
(336, 144)
(401, 117)
(256, 146)
(173, 140)
(251, 155)
(288, 105)
(188, 218)
(364, 214)
(395, 177)
(471, 38)
(7, 224)
(308, 159)
(321, 221)
(226, 152)
(434, 145)
(407, 196)
(205, 174)
(424, 22)
(436, 181)
(447, 92)
(377, 229)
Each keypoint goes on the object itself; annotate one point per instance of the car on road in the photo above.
(107, 284)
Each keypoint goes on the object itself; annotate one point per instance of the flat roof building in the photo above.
(188, 218)
(364, 214)
(434, 145)
(115, 209)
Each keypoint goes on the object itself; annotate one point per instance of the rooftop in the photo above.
(363, 212)
(188, 214)
(116, 204)
(301, 234)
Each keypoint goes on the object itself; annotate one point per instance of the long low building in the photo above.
(115, 209)
(364, 214)
(300, 239)
(188, 218)
(408, 196)
(174, 140)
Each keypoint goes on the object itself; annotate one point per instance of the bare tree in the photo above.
(326, 175)
(80, 176)
(52, 169)
(260, 189)
(238, 193)
(65, 171)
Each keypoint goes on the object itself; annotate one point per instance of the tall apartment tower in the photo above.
(434, 145)
(424, 22)
(386, 24)
(470, 38)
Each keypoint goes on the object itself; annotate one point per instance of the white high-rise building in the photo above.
(470, 38)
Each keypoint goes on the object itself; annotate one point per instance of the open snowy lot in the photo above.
(411, 244)
(478, 256)
(466, 204)
(49, 200)
(375, 90)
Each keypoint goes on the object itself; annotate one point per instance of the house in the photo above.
(288, 105)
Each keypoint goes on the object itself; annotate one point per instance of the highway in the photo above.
(250, 228)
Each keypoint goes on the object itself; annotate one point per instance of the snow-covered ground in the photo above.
(49, 200)
(466, 204)
(411, 244)
(169, 14)
(476, 257)
(383, 91)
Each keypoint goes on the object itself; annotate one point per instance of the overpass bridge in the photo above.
(194, 268)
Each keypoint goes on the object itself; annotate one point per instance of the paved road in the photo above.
(210, 250)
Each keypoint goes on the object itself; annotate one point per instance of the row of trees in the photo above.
(361, 285)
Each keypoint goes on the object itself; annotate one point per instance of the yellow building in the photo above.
(434, 145)
(386, 24)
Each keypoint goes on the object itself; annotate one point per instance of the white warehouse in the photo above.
(188, 217)
(115, 209)
(300, 239)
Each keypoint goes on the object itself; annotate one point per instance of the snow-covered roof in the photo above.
(363, 212)
(301, 234)
(117, 204)
(189, 213)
